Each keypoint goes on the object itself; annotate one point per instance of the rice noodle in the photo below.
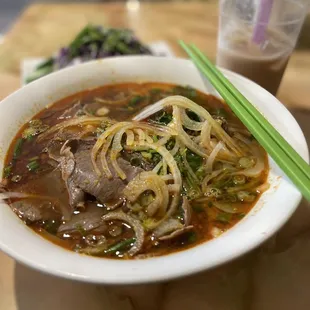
(173, 187)
(82, 120)
(103, 159)
(189, 104)
(175, 147)
(140, 133)
(176, 233)
(183, 136)
(158, 167)
(206, 136)
(189, 123)
(174, 171)
(208, 178)
(115, 150)
(135, 224)
(149, 181)
(187, 210)
(164, 167)
(212, 157)
(258, 167)
(101, 140)
(163, 140)
(166, 227)
(130, 137)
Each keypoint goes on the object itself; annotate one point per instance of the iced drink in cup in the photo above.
(257, 37)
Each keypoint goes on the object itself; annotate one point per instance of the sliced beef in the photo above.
(74, 160)
(102, 188)
(88, 220)
(52, 188)
(34, 210)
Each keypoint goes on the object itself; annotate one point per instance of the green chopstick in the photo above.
(256, 114)
(290, 162)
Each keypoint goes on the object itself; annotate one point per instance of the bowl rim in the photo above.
(177, 272)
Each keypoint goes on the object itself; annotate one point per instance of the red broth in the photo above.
(29, 169)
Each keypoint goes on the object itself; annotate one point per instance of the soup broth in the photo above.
(86, 177)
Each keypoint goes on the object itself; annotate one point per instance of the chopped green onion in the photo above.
(18, 147)
(7, 171)
(241, 215)
(135, 100)
(186, 91)
(147, 155)
(194, 160)
(120, 246)
(33, 166)
(213, 192)
(155, 91)
(191, 237)
(224, 217)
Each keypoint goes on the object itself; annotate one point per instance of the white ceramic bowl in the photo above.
(269, 214)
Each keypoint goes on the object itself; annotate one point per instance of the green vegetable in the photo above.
(46, 63)
(224, 218)
(190, 185)
(7, 171)
(155, 138)
(123, 48)
(241, 215)
(191, 237)
(213, 192)
(163, 118)
(135, 100)
(148, 223)
(51, 226)
(170, 144)
(33, 165)
(35, 127)
(39, 73)
(155, 91)
(120, 246)
(186, 91)
(195, 161)
(147, 155)
(18, 148)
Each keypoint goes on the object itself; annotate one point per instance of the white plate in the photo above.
(269, 214)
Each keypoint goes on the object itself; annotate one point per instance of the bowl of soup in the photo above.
(133, 169)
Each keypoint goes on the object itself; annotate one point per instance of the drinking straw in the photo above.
(262, 19)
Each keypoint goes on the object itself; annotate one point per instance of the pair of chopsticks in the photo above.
(276, 146)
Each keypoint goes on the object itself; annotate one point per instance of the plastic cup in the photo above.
(257, 37)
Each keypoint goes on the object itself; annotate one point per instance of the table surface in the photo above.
(40, 31)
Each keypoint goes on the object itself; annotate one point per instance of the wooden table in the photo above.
(40, 31)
